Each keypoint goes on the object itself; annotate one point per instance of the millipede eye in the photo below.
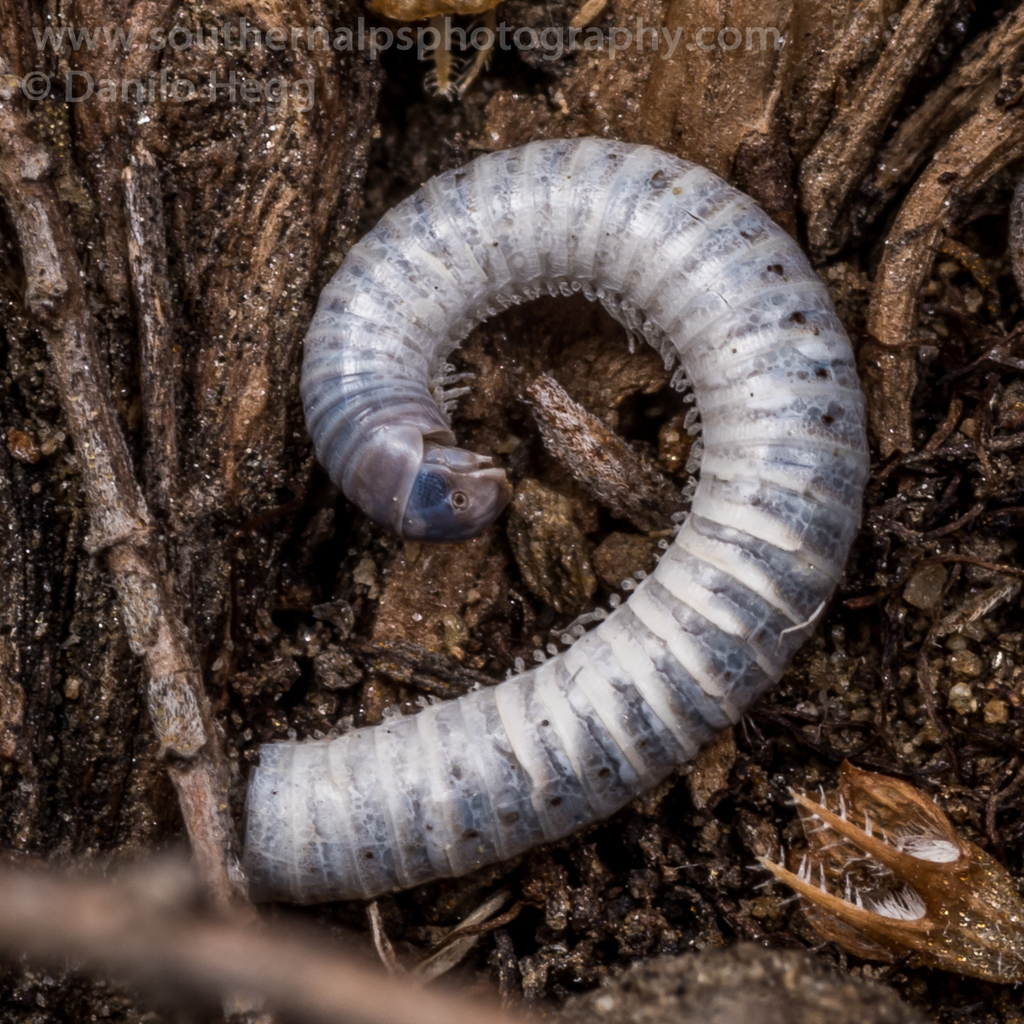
(460, 501)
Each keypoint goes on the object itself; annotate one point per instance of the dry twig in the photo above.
(601, 461)
(147, 261)
(121, 527)
(844, 153)
(953, 100)
(992, 137)
(140, 932)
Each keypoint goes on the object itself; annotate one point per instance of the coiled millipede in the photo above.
(696, 268)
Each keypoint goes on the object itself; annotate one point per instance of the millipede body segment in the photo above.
(696, 268)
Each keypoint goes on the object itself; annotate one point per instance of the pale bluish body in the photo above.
(696, 268)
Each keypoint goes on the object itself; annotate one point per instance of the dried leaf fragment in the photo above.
(600, 460)
(888, 875)
(549, 547)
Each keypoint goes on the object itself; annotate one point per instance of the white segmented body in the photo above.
(676, 255)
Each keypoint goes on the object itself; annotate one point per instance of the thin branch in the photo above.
(138, 931)
(601, 461)
(957, 97)
(120, 521)
(843, 154)
(989, 140)
(147, 261)
(381, 942)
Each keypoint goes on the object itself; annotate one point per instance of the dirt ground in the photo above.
(886, 136)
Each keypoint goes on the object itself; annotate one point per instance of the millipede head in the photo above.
(456, 495)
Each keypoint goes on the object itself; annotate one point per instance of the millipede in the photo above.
(699, 271)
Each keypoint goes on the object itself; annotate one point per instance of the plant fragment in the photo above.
(888, 875)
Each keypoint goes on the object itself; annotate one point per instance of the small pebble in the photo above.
(338, 613)
(456, 635)
(924, 588)
(619, 554)
(673, 445)
(365, 574)
(997, 712)
(711, 769)
(966, 663)
(962, 700)
(1011, 407)
(22, 446)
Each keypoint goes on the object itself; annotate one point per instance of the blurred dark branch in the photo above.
(137, 930)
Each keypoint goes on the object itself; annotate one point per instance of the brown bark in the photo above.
(84, 187)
